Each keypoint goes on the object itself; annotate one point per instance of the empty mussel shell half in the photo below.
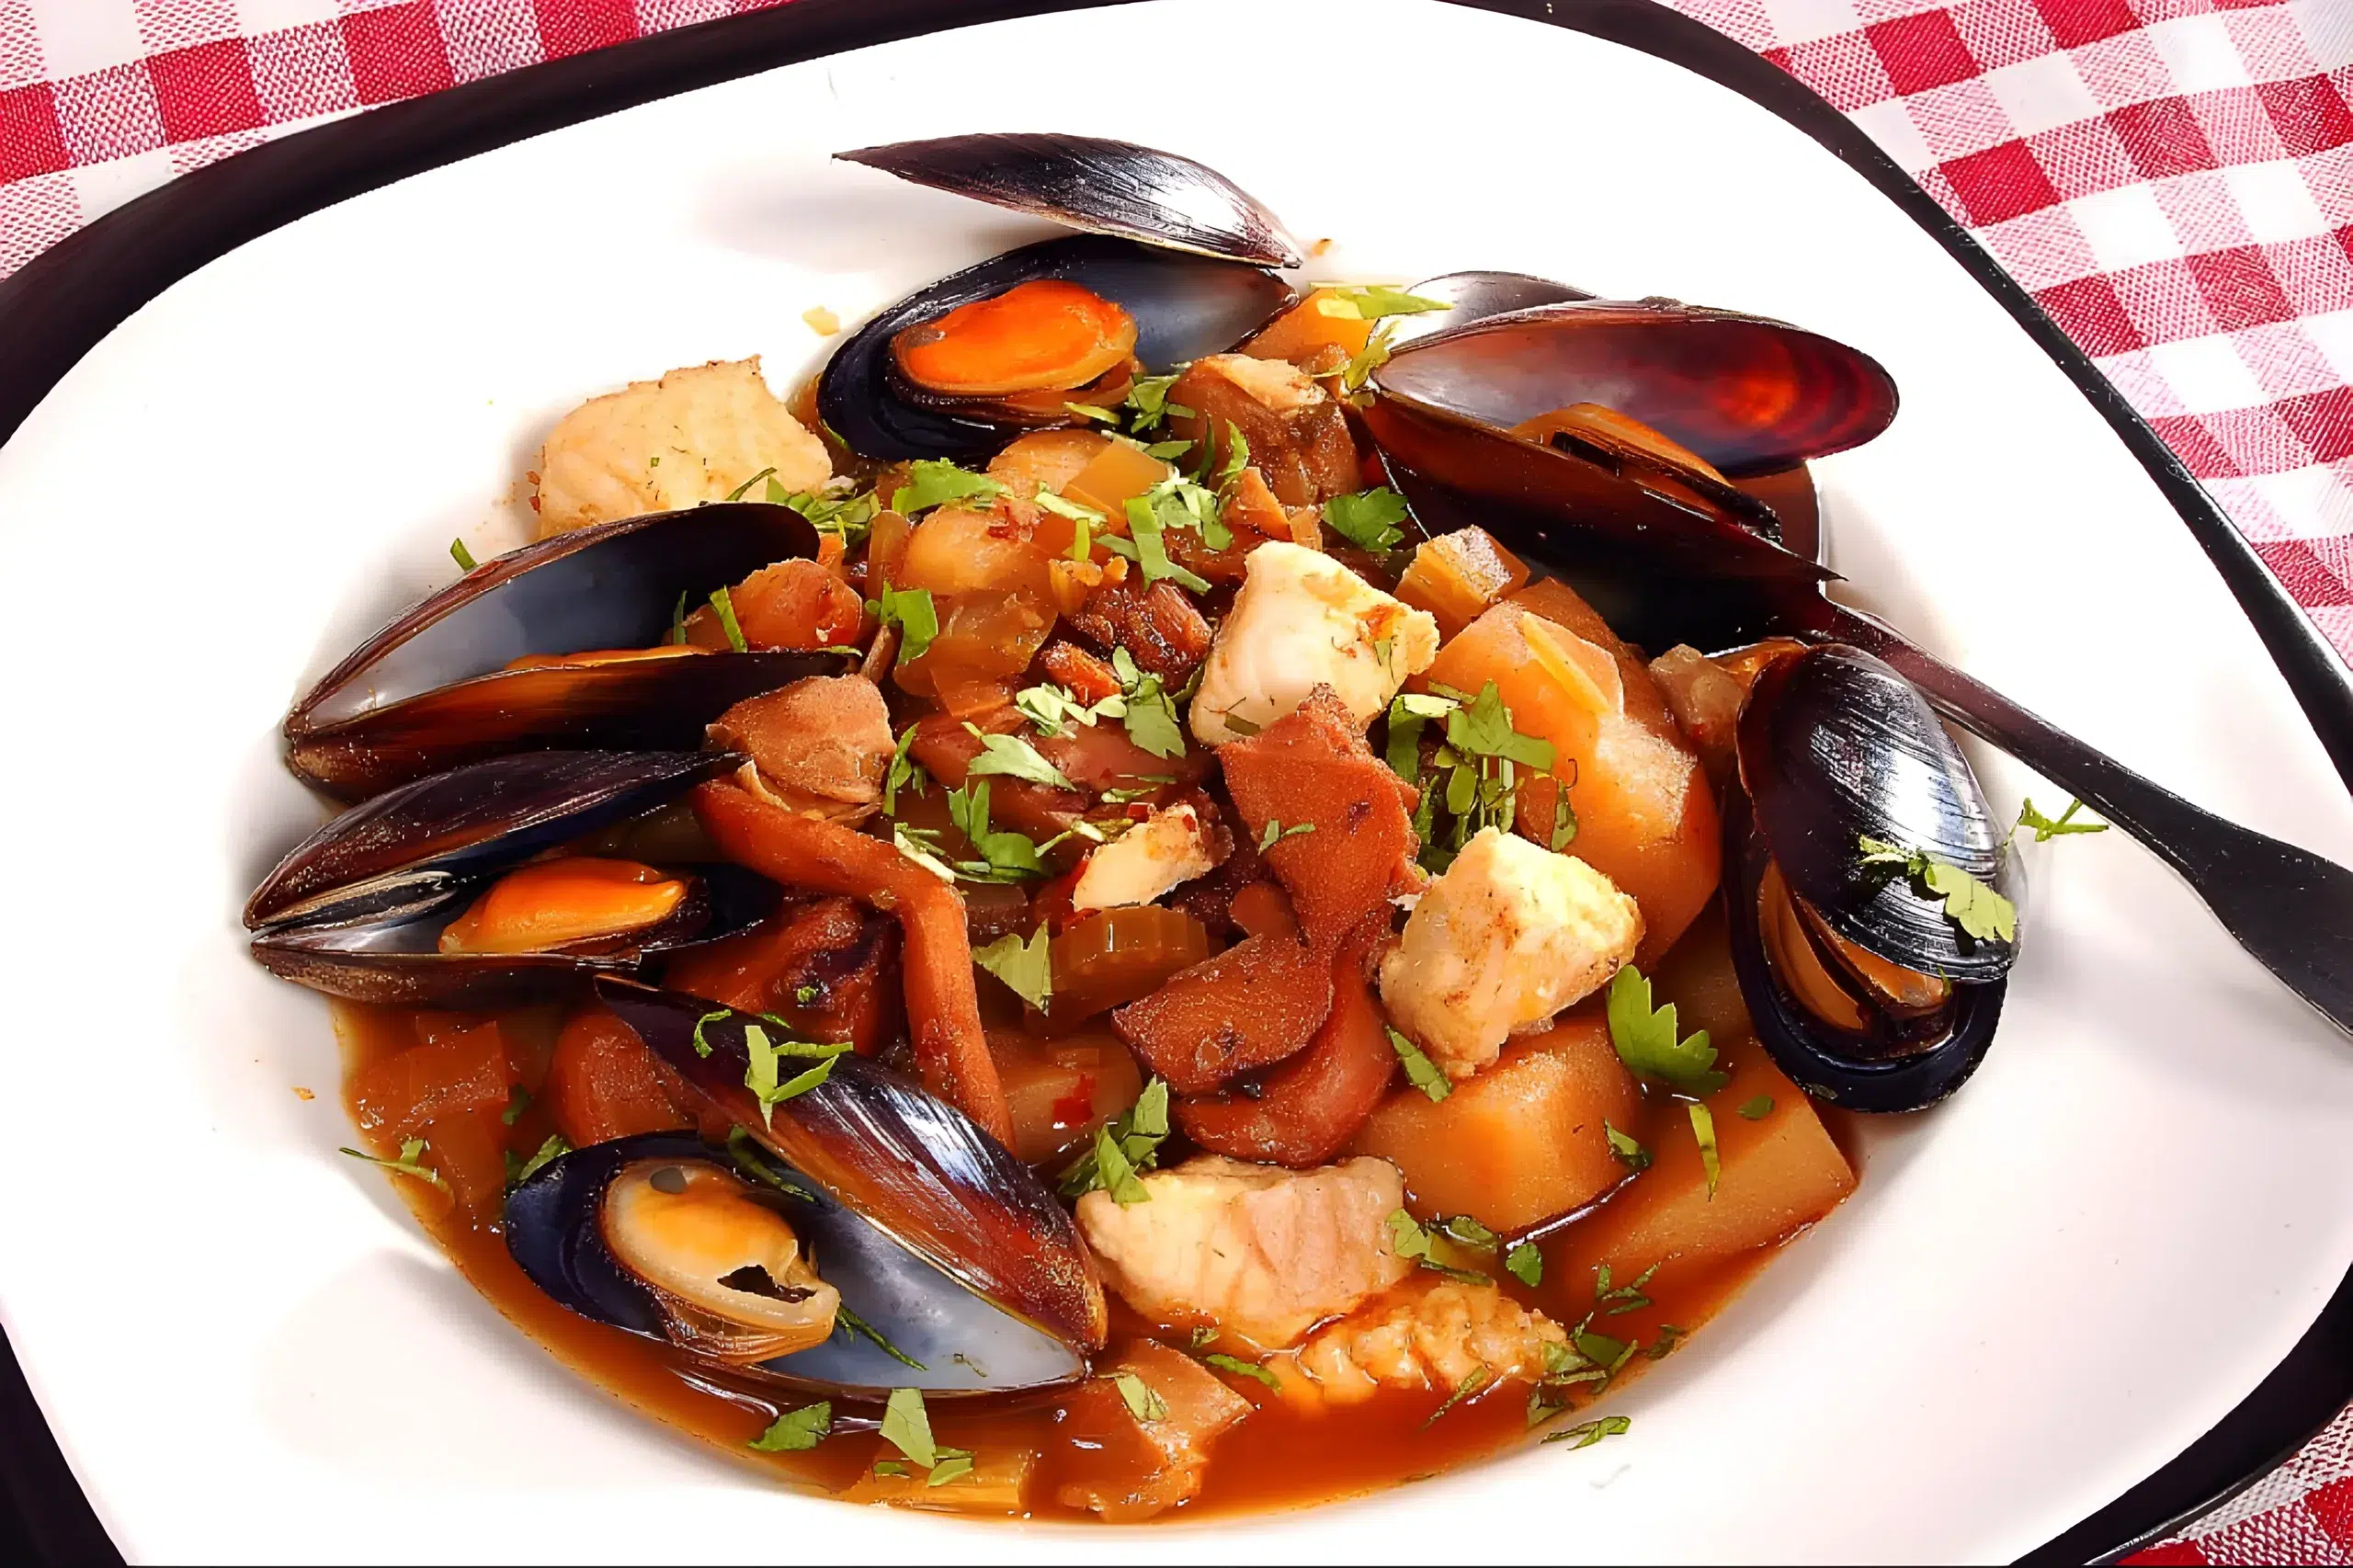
(433, 689)
(1184, 307)
(1748, 394)
(953, 1340)
(1474, 296)
(1838, 749)
(910, 1165)
(1097, 185)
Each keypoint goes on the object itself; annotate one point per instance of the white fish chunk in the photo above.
(1166, 848)
(1304, 620)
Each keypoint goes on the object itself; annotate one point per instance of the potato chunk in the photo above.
(1509, 935)
(1263, 1254)
(1304, 620)
(693, 437)
(1522, 1142)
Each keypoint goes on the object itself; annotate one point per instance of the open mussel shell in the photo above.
(1184, 307)
(964, 1344)
(1854, 1070)
(432, 689)
(398, 963)
(410, 850)
(1835, 748)
(1748, 395)
(1474, 296)
(908, 1164)
(1100, 185)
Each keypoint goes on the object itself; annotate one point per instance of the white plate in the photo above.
(2041, 1293)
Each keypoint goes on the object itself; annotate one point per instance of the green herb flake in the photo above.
(556, 1146)
(933, 481)
(1087, 517)
(1669, 1337)
(1634, 1156)
(1479, 1377)
(1647, 1041)
(762, 1072)
(1420, 1071)
(1144, 529)
(519, 1100)
(1605, 1351)
(1464, 1230)
(1275, 833)
(1367, 518)
(1203, 1334)
(1006, 856)
(1970, 903)
(1373, 301)
(1703, 1127)
(1484, 729)
(1133, 1139)
(797, 1431)
(893, 1469)
(1024, 966)
(1242, 1369)
(743, 1149)
(701, 1041)
(466, 562)
(1584, 1434)
(2045, 828)
(1012, 757)
(848, 1322)
(906, 772)
(1095, 411)
(906, 1425)
(913, 613)
(1525, 1263)
(724, 603)
(1142, 1402)
(951, 1467)
(406, 1164)
(1757, 1110)
(745, 488)
(1564, 819)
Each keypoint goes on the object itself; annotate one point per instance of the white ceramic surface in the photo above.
(2041, 1292)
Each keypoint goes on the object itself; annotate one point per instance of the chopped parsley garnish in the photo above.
(1564, 818)
(1703, 1127)
(934, 482)
(678, 621)
(797, 1431)
(828, 512)
(1648, 1043)
(1525, 1263)
(1464, 1230)
(519, 1171)
(1668, 1338)
(1131, 1143)
(742, 1148)
(2045, 828)
(1757, 1110)
(466, 562)
(1144, 529)
(1168, 451)
(1628, 1296)
(1014, 757)
(1605, 1351)
(1420, 1071)
(1367, 518)
(849, 1323)
(761, 1068)
(1006, 856)
(906, 1426)
(1087, 517)
(1149, 399)
(1584, 1434)
(922, 846)
(1147, 709)
(406, 1164)
(1203, 1334)
(1407, 714)
(1242, 1369)
(1275, 833)
(519, 1100)
(906, 772)
(913, 612)
(954, 1464)
(724, 603)
(745, 488)
(1482, 728)
(1142, 1402)
(1630, 1154)
(1971, 904)
(1095, 412)
(1478, 1377)
(701, 1041)
(1373, 301)
(1022, 965)
(1409, 1239)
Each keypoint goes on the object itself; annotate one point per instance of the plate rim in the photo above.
(66, 302)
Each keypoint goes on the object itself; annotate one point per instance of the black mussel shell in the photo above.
(1836, 747)
(964, 1345)
(1824, 1060)
(1748, 395)
(1184, 306)
(1103, 187)
(432, 690)
(906, 1162)
(1475, 296)
(407, 851)
(397, 962)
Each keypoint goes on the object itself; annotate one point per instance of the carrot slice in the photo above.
(943, 1000)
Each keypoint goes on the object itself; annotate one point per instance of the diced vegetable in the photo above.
(1779, 1173)
(1116, 956)
(1126, 1465)
(604, 1084)
(467, 1149)
(462, 1071)
(1160, 627)
(1522, 1142)
(1251, 1006)
(1297, 434)
(1117, 475)
(1311, 771)
(1046, 459)
(1060, 1091)
(1307, 334)
(998, 1482)
(793, 604)
(1645, 816)
(1460, 576)
(825, 967)
(985, 639)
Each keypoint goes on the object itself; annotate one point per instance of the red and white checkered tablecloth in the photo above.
(2172, 179)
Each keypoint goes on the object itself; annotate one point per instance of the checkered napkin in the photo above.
(2172, 179)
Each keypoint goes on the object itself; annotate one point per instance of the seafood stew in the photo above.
(1093, 915)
